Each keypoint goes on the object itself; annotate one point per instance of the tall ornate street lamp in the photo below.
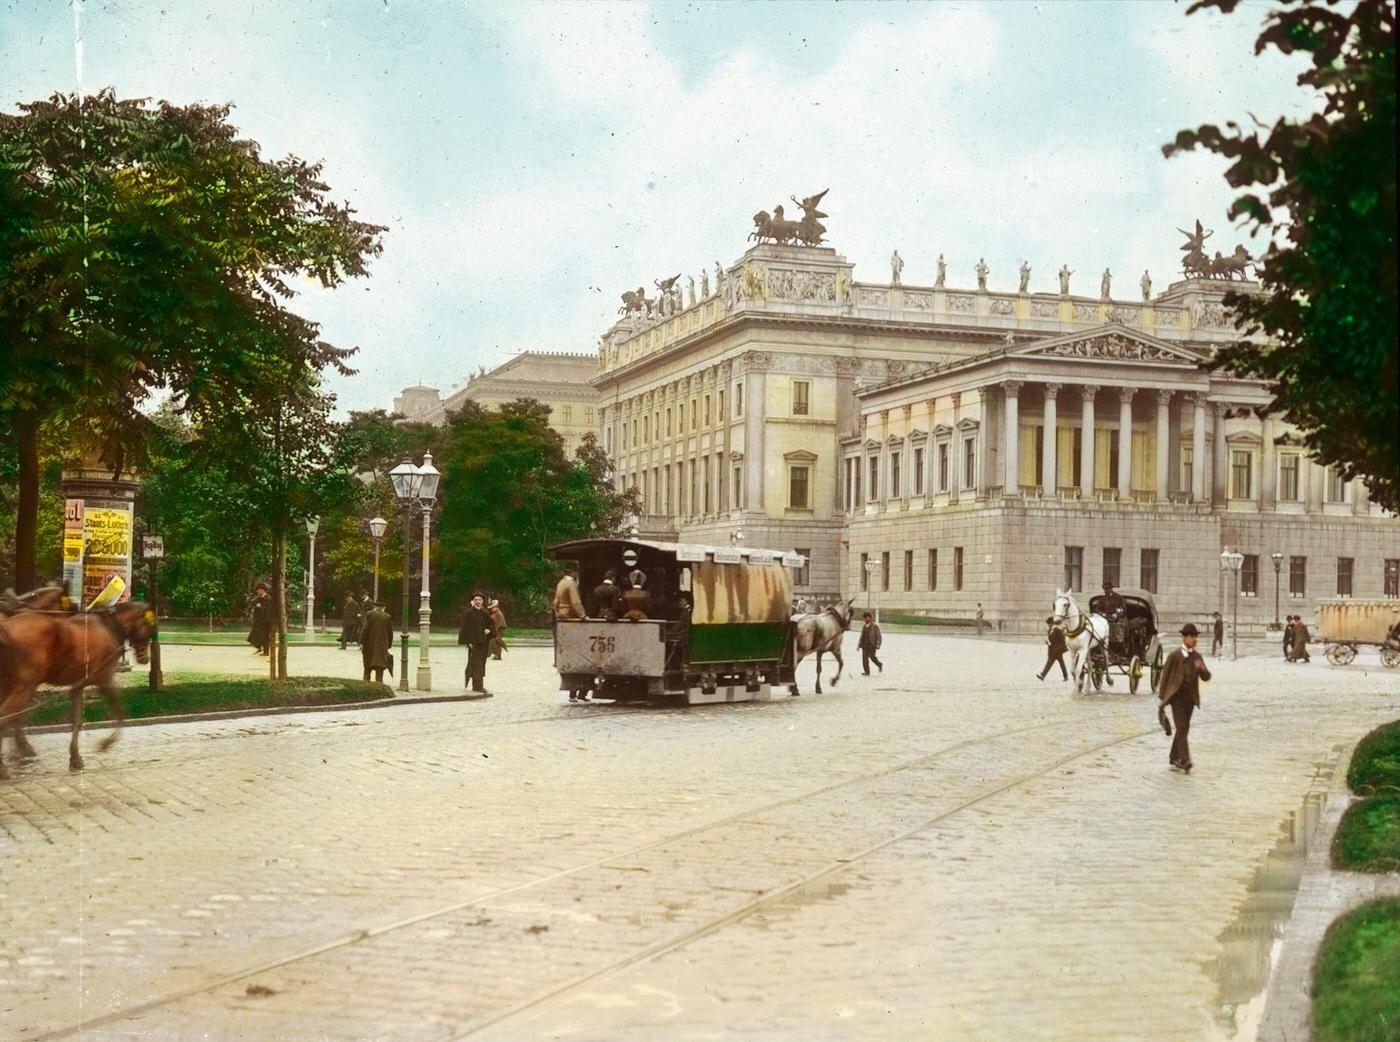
(870, 585)
(1277, 558)
(1231, 561)
(377, 527)
(312, 524)
(428, 478)
(153, 550)
(405, 479)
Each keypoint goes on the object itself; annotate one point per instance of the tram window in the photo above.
(683, 582)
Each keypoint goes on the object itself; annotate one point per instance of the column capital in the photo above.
(1051, 389)
(1125, 394)
(1012, 387)
(1164, 396)
(955, 398)
(908, 411)
(1201, 398)
(1088, 391)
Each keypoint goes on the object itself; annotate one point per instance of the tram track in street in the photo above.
(711, 926)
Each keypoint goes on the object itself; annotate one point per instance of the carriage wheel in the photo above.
(1096, 674)
(1341, 654)
(1134, 674)
(1390, 657)
(1156, 669)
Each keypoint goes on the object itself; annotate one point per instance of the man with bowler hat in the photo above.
(1180, 688)
(476, 633)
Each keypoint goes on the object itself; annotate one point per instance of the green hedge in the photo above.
(206, 696)
(1368, 837)
(1356, 980)
(1376, 762)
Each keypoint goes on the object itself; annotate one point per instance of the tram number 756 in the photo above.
(602, 645)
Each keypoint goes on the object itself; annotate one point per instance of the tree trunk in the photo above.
(27, 512)
(282, 607)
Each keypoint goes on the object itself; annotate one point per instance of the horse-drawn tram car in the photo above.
(688, 624)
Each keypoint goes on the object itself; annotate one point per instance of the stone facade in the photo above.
(557, 379)
(774, 406)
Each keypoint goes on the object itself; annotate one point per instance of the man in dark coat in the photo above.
(1301, 636)
(607, 598)
(350, 620)
(377, 642)
(1180, 688)
(869, 643)
(476, 633)
(1217, 635)
(1055, 652)
(1288, 639)
(260, 634)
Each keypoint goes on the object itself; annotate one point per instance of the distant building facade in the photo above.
(557, 379)
(934, 448)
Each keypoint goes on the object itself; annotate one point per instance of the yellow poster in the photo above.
(107, 528)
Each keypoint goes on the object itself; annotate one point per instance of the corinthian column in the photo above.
(1198, 448)
(1164, 402)
(1125, 442)
(1086, 441)
(1011, 472)
(1048, 482)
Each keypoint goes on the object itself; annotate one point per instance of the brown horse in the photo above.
(45, 598)
(74, 651)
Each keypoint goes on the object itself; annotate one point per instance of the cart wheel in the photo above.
(1390, 657)
(1096, 675)
(1156, 669)
(1134, 674)
(1341, 654)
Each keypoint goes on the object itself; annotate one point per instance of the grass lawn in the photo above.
(1356, 982)
(1368, 838)
(207, 694)
(180, 634)
(1376, 762)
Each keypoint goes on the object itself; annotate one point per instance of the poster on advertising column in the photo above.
(73, 547)
(106, 549)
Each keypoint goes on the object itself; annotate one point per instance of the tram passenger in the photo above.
(607, 598)
(567, 603)
(636, 600)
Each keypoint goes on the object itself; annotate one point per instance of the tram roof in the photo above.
(576, 548)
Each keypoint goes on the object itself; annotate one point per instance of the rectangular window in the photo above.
(1186, 464)
(969, 473)
(668, 423)
(874, 478)
(1288, 478)
(738, 400)
(1076, 461)
(588, 414)
(1249, 576)
(719, 407)
(609, 440)
(933, 569)
(1392, 576)
(943, 468)
(568, 413)
(1113, 565)
(797, 487)
(1336, 487)
(864, 573)
(635, 442)
(1038, 448)
(885, 571)
(803, 576)
(646, 429)
(694, 414)
(1241, 474)
(738, 488)
(707, 410)
(1147, 570)
(801, 397)
(1113, 460)
(908, 570)
(1074, 567)
(918, 472)
(1345, 566)
(957, 568)
(1297, 577)
(894, 475)
(705, 484)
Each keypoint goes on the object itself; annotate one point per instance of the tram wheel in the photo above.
(1134, 674)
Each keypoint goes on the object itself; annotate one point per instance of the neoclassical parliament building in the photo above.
(931, 448)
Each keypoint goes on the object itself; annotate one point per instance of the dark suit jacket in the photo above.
(476, 627)
(1056, 640)
(607, 600)
(869, 637)
(1177, 676)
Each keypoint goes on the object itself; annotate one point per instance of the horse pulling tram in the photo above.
(717, 629)
(1133, 646)
(1346, 625)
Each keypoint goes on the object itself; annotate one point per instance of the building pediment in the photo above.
(800, 456)
(1111, 342)
(872, 444)
(966, 424)
(942, 430)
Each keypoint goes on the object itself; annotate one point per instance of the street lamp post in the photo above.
(377, 527)
(153, 550)
(870, 585)
(428, 478)
(312, 524)
(1232, 561)
(1277, 558)
(405, 479)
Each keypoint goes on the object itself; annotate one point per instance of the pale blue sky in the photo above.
(534, 160)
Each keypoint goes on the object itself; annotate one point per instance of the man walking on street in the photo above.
(1217, 635)
(980, 619)
(350, 621)
(1055, 652)
(869, 644)
(498, 623)
(1301, 636)
(1288, 639)
(475, 633)
(1180, 688)
(377, 642)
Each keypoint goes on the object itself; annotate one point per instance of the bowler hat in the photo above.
(1189, 630)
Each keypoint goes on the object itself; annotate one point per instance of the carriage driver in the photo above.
(1113, 607)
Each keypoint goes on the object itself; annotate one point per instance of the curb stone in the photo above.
(239, 714)
(1324, 895)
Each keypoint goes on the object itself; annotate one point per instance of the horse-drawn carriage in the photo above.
(1132, 646)
(716, 630)
(1345, 625)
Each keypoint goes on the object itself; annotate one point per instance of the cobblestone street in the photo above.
(949, 850)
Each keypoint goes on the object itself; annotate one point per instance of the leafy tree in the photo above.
(1325, 189)
(508, 492)
(145, 246)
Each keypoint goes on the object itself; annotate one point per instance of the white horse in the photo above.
(821, 632)
(1082, 634)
